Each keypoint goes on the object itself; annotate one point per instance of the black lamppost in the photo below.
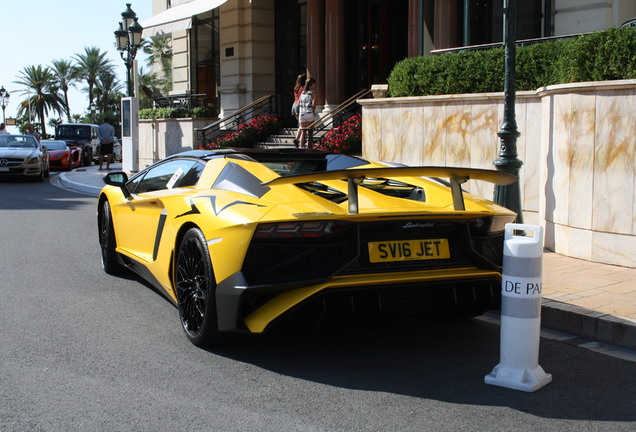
(4, 100)
(509, 196)
(128, 39)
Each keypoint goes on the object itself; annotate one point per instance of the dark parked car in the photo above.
(23, 155)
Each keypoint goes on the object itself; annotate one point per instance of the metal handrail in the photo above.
(337, 116)
(263, 106)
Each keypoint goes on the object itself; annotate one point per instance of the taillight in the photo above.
(299, 230)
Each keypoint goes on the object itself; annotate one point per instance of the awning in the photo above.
(178, 17)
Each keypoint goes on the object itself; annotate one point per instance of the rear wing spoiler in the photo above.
(354, 177)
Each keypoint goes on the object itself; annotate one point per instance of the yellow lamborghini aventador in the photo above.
(241, 240)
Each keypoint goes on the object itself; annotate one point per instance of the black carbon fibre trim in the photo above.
(160, 226)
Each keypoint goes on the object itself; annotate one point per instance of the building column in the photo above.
(414, 28)
(334, 84)
(316, 48)
(446, 29)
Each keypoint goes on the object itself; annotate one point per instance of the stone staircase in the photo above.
(285, 139)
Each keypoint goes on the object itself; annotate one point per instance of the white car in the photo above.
(116, 150)
(23, 155)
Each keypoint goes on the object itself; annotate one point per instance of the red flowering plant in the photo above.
(346, 138)
(247, 134)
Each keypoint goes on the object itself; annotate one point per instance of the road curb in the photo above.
(81, 187)
(588, 324)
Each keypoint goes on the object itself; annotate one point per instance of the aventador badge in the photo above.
(418, 225)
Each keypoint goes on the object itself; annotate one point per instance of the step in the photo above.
(274, 145)
(281, 138)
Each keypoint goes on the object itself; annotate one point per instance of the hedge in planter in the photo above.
(600, 56)
(165, 113)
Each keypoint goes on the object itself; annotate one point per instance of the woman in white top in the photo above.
(306, 108)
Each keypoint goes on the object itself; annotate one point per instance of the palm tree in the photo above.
(159, 50)
(65, 75)
(148, 83)
(107, 90)
(42, 93)
(54, 122)
(90, 65)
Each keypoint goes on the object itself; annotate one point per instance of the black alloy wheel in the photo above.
(107, 240)
(88, 157)
(195, 285)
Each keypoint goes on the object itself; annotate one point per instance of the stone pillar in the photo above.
(316, 48)
(334, 84)
(445, 25)
(414, 28)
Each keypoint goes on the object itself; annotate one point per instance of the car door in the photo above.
(140, 222)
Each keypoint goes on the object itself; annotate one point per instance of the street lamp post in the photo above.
(509, 196)
(4, 100)
(128, 40)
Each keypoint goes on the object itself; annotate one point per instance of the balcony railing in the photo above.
(335, 118)
(265, 106)
(182, 101)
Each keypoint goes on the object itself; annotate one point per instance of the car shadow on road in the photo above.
(446, 361)
(44, 196)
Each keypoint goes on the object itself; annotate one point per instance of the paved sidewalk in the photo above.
(589, 300)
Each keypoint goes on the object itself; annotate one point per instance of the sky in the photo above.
(37, 32)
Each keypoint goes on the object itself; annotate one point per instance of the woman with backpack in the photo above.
(306, 110)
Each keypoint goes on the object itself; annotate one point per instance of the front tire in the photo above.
(107, 240)
(195, 289)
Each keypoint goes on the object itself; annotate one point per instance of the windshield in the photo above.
(73, 132)
(55, 145)
(18, 141)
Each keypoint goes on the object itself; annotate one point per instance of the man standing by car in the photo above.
(106, 134)
(31, 131)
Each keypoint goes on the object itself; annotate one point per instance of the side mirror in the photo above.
(119, 179)
(44, 148)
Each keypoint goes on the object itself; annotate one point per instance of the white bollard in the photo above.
(518, 366)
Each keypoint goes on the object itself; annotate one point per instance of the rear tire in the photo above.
(195, 290)
(107, 240)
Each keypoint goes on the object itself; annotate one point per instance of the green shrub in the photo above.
(600, 56)
(179, 112)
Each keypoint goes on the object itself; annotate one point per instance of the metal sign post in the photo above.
(130, 134)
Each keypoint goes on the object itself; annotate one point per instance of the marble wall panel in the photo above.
(434, 138)
(562, 120)
(613, 248)
(581, 159)
(484, 143)
(531, 156)
(395, 130)
(458, 127)
(547, 200)
(372, 132)
(613, 199)
(413, 150)
(577, 145)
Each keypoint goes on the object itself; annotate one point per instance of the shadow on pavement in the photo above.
(447, 361)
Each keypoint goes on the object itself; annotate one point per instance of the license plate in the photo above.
(408, 250)
(4, 169)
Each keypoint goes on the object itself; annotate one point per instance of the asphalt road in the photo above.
(84, 351)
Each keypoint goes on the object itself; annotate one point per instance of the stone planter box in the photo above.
(164, 137)
(577, 144)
